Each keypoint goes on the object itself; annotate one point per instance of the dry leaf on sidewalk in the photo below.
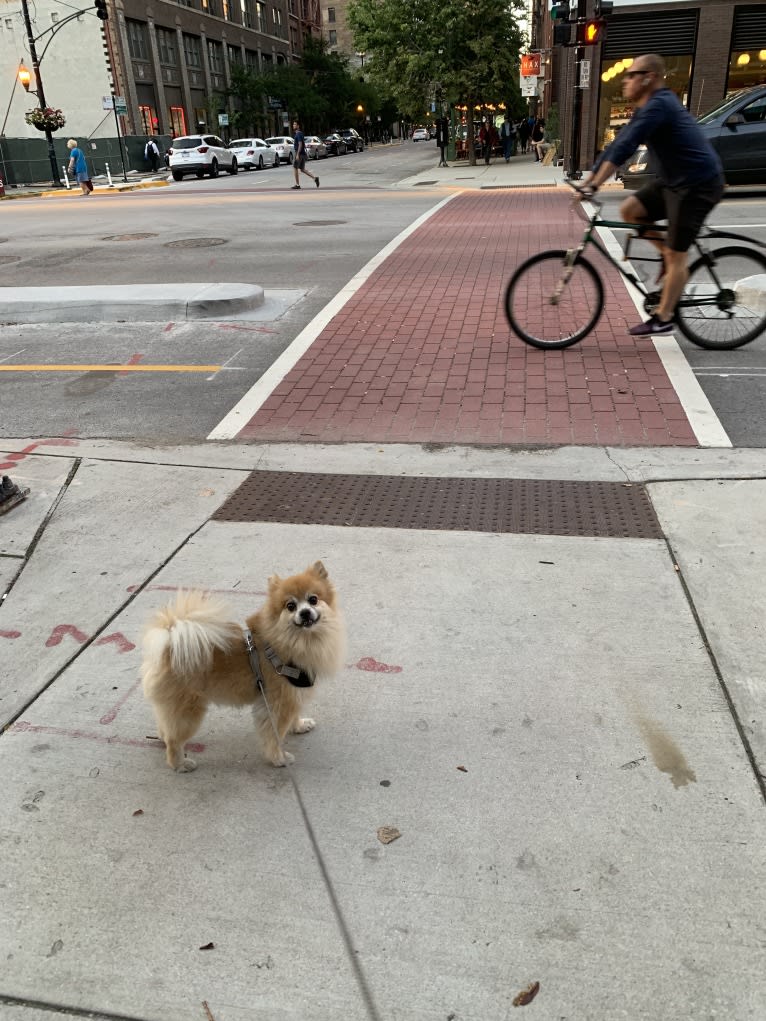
(526, 995)
(462, 769)
(388, 833)
(208, 946)
(139, 811)
(208, 1011)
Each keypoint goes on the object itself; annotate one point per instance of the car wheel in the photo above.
(177, 175)
(214, 168)
(234, 167)
(260, 163)
(289, 159)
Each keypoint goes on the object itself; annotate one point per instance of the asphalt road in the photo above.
(251, 228)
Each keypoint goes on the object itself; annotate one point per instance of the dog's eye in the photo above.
(291, 605)
(313, 600)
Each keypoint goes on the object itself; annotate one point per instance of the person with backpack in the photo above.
(508, 137)
(152, 154)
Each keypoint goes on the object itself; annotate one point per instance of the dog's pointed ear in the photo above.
(273, 581)
(319, 569)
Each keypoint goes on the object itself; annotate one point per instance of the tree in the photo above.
(468, 47)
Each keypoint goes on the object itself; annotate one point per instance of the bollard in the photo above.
(109, 175)
(66, 178)
(2, 188)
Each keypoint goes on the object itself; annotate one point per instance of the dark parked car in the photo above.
(354, 141)
(736, 128)
(336, 145)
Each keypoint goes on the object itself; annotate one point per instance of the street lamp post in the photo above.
(55, 176)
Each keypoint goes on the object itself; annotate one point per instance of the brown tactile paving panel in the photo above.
(530, 506)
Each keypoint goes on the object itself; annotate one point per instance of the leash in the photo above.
(255, 665)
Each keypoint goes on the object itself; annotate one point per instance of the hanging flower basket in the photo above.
(45, 120)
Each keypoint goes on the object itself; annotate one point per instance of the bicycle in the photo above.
(555, 298)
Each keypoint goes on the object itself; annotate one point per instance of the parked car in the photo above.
(736, 129)
(335, 145)
(315, 147)
(200, 155)
(284, 146)
(254, 153)
(354, 141)
(420, 135)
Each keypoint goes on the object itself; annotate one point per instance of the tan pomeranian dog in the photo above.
(194, 655)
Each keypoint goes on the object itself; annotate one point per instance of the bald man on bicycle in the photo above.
(689, 177)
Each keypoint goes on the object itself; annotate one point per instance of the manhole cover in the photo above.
(197, 243)
(319, 223)
(128, 237)
(9, 258)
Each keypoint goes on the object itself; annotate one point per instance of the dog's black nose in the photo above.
(306, 614)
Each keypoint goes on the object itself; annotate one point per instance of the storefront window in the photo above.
(746, 68)
(177, 121)
(149, 120)
(613, 112)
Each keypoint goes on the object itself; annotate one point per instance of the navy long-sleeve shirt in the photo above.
(681, 155)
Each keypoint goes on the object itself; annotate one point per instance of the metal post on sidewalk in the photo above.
(55, 179)
(574, 172)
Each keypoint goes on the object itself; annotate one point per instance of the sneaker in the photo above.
(652, 326)
(316, 181)
(296, 187)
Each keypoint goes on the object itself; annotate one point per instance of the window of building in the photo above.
(248, 18)
(177, 121)
(215, 56)
(251, 60)
(138, 39)
(332, 37)
(747, 68)
(166, 44)
(192, 51)
(149, 121)
(234, 54)
(226, 10)
(613, 111)
(260, 10)
(277, 17)
(331, 15)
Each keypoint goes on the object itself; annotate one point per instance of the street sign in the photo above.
(528, 87)
(107, 103)
(584, 74)
(120, 106)
(223, 120)
(530, 65)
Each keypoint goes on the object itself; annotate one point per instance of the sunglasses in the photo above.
(632, 74)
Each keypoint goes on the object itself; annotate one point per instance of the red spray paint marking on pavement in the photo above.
(112, 714)
(168, 328)
(10, 634)
(372, 665)
(118, 639)
(133, 360)
(58, 633)
(22, 727)
(13, 459)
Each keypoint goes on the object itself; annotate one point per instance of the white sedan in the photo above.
(315, 147)
(420, 135)
(284, 146)
(254, 154)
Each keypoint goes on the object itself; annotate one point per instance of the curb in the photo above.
(60, 193)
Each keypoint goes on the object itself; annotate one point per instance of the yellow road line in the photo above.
(109, 368)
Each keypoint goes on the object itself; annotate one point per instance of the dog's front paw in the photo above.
(283, 759)
(186, 765)
(303, 725)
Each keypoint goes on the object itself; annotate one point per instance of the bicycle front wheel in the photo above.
(551, 304)
(722, 307)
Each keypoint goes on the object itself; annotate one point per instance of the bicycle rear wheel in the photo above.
(721, 307)
(550, 304)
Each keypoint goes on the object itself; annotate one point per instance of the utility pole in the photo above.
(55, 176)
(574, 172)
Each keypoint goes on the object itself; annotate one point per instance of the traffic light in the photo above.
(589, 32)
(101, 12)
(603, 8)
(560, 11)
(562, 33)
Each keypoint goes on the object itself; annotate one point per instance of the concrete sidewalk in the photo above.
(566, 729)
(554, 686)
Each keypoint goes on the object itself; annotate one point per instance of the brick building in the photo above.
(710, 47)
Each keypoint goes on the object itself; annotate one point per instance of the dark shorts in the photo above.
(299, 162)
(685, 209)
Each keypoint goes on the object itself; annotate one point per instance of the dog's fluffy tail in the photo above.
(188, 631)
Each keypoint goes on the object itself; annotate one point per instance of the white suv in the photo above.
(200, 155)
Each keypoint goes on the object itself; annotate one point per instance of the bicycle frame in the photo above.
(642, 230)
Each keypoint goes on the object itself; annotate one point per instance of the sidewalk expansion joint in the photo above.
(523, 506)
(67, 1011)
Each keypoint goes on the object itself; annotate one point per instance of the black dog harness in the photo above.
(293, 674)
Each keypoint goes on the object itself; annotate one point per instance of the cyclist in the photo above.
(689, 177)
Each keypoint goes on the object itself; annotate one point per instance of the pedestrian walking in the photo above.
(507, 137)
(152, 154)
(442, 138)
(489, 138)
(78, 168)
(689, 179)
(299, 157)
(523, 130)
